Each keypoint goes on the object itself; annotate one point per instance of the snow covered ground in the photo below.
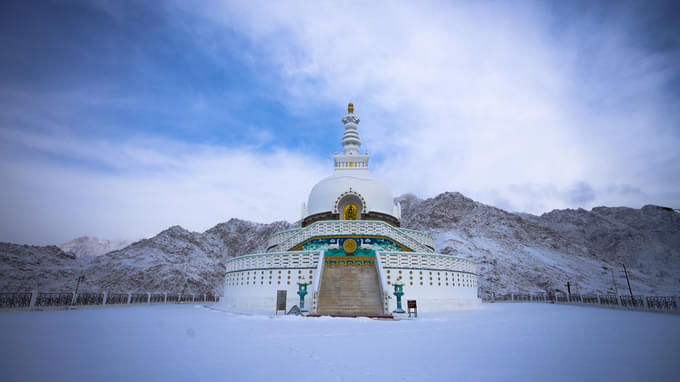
(510, 342)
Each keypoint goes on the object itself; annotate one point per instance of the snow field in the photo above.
(510, 342)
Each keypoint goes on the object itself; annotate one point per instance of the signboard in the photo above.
(412, 307)
(281, 300)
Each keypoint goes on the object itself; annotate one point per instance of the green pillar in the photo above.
(398, 291)
(302, 292)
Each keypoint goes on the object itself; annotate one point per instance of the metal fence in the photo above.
(13, 300)
(54, 299)
(650, 303)
(90, 299)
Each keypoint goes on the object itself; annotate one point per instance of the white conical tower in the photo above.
(351, 160)
(351, 143)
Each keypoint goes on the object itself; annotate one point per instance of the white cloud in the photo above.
(474, 97)
(482, 98)
(145, 186)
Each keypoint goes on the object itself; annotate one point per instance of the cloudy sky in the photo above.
(119, 119)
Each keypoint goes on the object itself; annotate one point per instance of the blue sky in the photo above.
(119, 119)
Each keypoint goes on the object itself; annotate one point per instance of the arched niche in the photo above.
(350, 206)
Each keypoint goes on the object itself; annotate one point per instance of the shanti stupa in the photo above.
(350, 254)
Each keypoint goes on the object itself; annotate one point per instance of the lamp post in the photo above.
(302, 292)
(627, 280)
(398, 291)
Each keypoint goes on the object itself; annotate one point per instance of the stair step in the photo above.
(350, 290)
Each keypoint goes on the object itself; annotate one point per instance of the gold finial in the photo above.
(350, 108)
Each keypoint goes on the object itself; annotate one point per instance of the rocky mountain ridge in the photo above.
(515, 252)
(87, 246)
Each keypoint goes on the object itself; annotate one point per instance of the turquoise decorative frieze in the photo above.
(366, 245)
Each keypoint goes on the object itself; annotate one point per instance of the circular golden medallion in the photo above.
(349, 246)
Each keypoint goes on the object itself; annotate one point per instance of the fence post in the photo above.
(34, 298)
(106, 296)
(618, 300)
(148, 298)
(129, 297)
(644, 302)
(493, 297)
(598, 300)
(512, 297)
(165, 298)
(193, 298)
(205, 298)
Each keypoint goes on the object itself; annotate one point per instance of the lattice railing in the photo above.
(293, 259)
(417, 241)
(427, 261)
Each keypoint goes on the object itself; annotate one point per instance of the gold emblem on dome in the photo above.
(351, 212)
(349, 246)
(350, 108)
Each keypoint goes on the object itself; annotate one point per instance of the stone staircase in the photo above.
(350, 290)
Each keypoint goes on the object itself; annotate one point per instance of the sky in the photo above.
(120, 119)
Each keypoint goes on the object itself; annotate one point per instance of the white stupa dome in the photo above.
(326, 194)
(351, 182)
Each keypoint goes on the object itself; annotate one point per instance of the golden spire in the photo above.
(350, 108)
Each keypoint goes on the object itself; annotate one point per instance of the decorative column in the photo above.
(302, 292)
(398, 291)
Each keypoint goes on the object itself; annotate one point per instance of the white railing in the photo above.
(316, 284)
(354, 227)
(419, 236)
(294, 259)
(281, 236)
(384, 289)
(427, 261)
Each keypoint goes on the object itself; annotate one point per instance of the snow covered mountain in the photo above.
(521, 252)
(516, 252)
(87, 246)
(25, 267)
(178, 260)
(646, 239)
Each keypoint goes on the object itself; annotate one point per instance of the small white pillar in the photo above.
(644, 302)
(165, 298)
(512, 297)
(106, 295)
(148, 298)
(129, 298)
(598, 300)
(34, 298)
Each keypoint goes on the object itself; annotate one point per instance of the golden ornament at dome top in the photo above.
(350, 108)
